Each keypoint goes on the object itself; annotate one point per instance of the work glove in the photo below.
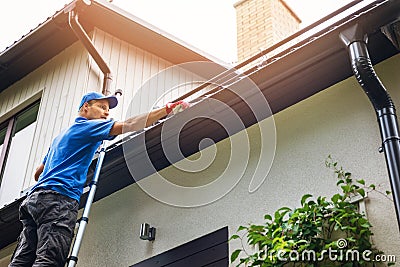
(176, 107)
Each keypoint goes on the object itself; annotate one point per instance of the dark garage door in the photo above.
(210, 250)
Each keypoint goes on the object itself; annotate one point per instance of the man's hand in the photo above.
(176, 107)
(38, 172)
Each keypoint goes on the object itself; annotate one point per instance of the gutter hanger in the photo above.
(87, 43)
(356, 42)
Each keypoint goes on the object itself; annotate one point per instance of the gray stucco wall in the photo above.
(339, 121)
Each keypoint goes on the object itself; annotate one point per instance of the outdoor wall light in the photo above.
(147, 232)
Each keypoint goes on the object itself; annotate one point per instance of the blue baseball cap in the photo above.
(112, 100)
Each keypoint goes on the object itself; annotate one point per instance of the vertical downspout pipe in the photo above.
(356, 42)
(87, 43)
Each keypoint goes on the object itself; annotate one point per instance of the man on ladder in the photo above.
(49, 212)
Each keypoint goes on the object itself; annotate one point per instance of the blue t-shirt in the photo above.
(69, 156)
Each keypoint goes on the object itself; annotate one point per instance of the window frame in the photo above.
(6, 144)
(11, 124)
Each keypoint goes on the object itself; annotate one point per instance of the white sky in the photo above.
(209, 25)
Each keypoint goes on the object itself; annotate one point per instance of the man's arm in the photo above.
(142, 121)
(38, 171)
(138, 122)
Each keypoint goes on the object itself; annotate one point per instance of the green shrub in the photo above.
(321, 232)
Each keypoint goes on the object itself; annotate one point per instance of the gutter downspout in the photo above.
(87, 43)
(356, 41)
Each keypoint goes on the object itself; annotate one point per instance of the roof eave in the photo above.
(35, 49)
(54, 35)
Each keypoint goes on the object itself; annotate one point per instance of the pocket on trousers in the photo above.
(56, 248)
(61, 239)
(62, 228)
(68, 213)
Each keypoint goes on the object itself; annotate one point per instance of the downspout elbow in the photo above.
(73, 21)
(367, 78)
(356, 41)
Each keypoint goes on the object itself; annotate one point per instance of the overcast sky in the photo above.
(209, 25)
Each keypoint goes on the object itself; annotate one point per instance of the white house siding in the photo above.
(62, 81)
(55, 83)
(339, 121)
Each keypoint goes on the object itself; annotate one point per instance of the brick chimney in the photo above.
(262, 23)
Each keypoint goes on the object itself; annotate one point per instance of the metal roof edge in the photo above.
(38, 27)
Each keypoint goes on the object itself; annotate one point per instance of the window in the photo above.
(16, 136)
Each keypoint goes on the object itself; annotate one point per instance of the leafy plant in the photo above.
(321, 232)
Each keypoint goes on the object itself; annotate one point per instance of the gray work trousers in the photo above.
(48, 220)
